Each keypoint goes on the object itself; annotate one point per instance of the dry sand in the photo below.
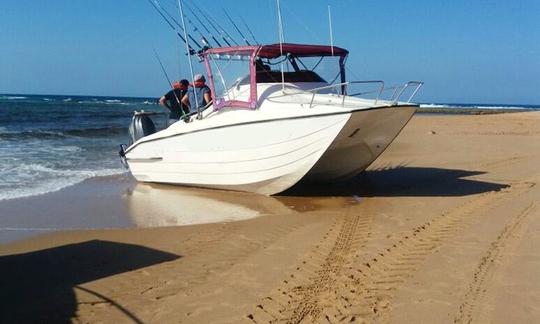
(443, 228)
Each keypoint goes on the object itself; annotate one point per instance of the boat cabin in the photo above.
(250, 66)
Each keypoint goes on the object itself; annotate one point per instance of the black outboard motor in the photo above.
(141, 125)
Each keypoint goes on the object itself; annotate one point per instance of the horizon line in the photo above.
(149, 97)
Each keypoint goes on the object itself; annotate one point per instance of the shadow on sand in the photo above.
(38, 287)
(402, 181)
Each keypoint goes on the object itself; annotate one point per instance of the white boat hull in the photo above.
(365, 136)
(269, 156)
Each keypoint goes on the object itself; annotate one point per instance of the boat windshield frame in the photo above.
(252, 53)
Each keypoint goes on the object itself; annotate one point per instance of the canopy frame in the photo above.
(271, 51)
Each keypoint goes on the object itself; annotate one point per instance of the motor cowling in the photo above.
(141, 126)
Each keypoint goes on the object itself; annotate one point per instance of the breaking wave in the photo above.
(12, 98)
(43, 179)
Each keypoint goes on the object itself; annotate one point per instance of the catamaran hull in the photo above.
(364, 137)
(269, 156)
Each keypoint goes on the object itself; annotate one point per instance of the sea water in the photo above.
(50, 142)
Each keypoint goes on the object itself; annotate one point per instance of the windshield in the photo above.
(229, 71)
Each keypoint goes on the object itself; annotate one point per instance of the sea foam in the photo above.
(13, 97)
(41, 180)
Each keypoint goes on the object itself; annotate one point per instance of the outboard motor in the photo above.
(141, 125)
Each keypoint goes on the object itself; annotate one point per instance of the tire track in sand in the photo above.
(337, 286)
(484, 272)
(371, 283)
(302, 296)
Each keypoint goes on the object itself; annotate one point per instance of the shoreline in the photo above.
(120, 202)
(93, 203)
(471, 111)
(442, 228)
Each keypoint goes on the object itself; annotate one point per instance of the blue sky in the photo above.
(465, 51)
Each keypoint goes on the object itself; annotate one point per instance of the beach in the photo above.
(442, 228)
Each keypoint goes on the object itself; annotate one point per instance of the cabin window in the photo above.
(299, 69)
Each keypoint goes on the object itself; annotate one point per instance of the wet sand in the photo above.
(442, 228)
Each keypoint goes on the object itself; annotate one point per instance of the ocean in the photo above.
(49, 142)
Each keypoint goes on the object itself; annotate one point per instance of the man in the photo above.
(198, 96)
(173, 100)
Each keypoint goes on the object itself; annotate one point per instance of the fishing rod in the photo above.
(249, 30)
(226, 33)
(206, 17)
(177, 24)
(169, 81)
(236, 27)
(197, 30)
(191, 50)
(203, 25)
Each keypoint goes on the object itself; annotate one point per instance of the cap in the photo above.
(199, 77)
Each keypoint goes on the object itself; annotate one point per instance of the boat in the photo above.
(272, 127)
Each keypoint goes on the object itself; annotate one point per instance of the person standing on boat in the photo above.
(173, 100)
(198, 96)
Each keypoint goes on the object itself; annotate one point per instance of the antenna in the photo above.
(280, 31)
(190, 63)
(330, 25)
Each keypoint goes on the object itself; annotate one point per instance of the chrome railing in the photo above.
(397, 93)
(314, 91)
(344, 87)
(381, 89)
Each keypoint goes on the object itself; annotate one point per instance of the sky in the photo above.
(465, 51)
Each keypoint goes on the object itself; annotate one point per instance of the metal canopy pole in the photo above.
(180, 8)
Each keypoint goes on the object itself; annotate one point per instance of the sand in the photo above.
(442, 228)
